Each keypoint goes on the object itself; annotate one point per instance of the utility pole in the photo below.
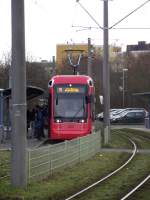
(123, 86)
(19, 122)
(106, 72)
(54, 67)
(89, 70)
(106, 76)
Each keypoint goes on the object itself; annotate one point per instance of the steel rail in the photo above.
(144, 137)
(137, 187)
(108, 176)
(141, 183)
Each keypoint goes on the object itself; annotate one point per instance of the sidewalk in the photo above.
(31, 143)
(35, 143)
(136, 127)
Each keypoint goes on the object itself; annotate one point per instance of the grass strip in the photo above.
(4, 163)
(123, 182)
(67, 182)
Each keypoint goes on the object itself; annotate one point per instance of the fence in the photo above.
(45, 161)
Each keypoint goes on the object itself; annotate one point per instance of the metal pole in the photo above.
(54, 67)
(106, 76)
(123, 86)
(19, 127)
(123, 89)
(10, 100)
(89, 70)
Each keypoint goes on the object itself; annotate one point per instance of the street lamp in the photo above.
(123, 85)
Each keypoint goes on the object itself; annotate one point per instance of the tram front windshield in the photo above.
(70, 103)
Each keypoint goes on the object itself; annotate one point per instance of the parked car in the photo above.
(113, 111)
(134, 116)
(114, 115)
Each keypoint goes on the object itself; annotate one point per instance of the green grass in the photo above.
(4, 163)
(141, 138)
(119, 185)
(118, 140)
(142, 194)
(122, 182)
(69, 181)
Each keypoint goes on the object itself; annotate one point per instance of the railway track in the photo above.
(108, 176)
(109, 185)
(136, 188)
(142, 182)
(133, 189)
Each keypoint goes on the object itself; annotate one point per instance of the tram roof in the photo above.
(71, 78)
(32, 92)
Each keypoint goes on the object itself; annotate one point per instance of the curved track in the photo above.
(136, 188)
(141, 183)
(109, 175)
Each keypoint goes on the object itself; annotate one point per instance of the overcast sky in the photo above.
(50, 22)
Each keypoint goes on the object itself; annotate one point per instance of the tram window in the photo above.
(74, 106)
(57, 100)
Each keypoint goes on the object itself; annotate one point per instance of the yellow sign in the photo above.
(71, 89)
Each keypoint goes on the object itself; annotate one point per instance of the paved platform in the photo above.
(137, 127)
(35, 143)
(117, 150)
(31, 143)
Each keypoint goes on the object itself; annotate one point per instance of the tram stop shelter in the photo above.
(5, 95)
(145, 95)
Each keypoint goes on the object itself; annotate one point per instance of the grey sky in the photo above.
(50, 22)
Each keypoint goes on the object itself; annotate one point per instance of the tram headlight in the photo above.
(58, 121)
(81, 121)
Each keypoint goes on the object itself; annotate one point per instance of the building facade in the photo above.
(62, 51)
(141, 47)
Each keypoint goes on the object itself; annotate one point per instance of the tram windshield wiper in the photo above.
(80, 109)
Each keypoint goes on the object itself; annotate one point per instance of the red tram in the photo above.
(71, 106)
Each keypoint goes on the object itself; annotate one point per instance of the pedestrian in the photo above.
(32, 120)
(28, 119)
(39, 121)
(44, 120)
